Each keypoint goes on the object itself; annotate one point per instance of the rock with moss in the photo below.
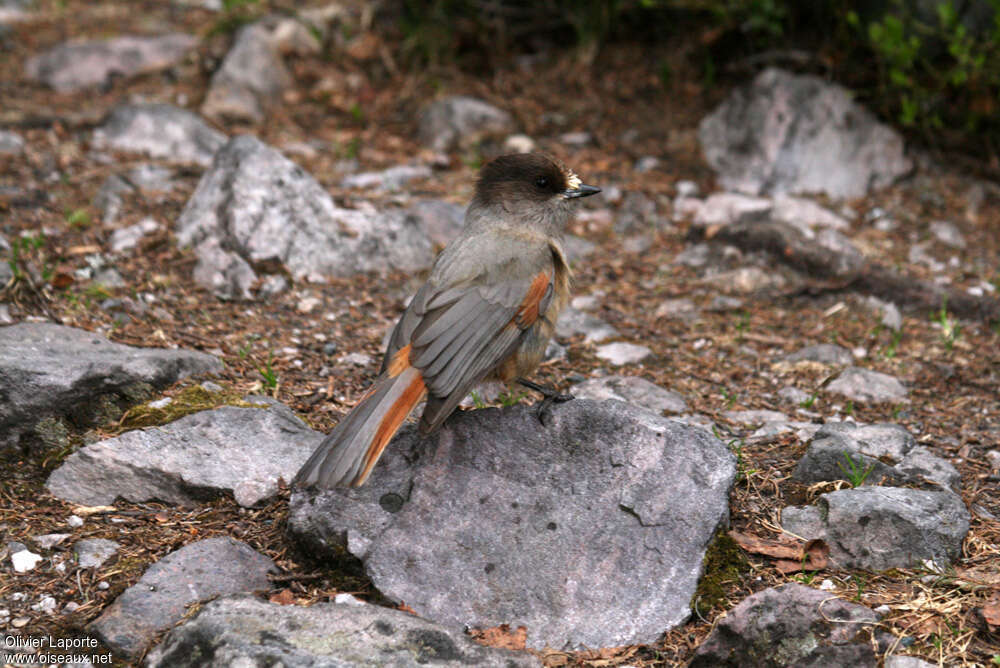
(245, 631)
(790, 625)
(52, 371)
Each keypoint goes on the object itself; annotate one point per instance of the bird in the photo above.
(486, 312)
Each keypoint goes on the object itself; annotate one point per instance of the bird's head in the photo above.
(530, 187)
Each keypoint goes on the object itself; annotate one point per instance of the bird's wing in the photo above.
(456, 333)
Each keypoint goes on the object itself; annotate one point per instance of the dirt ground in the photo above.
(723, 361)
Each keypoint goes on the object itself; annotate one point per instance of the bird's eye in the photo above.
(542, 182)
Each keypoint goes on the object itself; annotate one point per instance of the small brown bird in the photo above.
(487, 312)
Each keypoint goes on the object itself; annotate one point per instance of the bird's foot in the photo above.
(550, 396)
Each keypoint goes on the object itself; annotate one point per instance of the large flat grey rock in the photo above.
(50, 370)
(790, 625)
(160, 131)
(255, 208)
(589, 532)
(231, 449)
(883, 527)
(196, 572)
(788, 133)
(77, 65)
(245, 631)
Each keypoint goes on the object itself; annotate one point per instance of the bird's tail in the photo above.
(348, 454)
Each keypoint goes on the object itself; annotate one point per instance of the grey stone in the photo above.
(636, 214)
(824, 353)
(109, 197)
(127, 238)
(805, 214)
(864, 385)
(755, 417)
(632, 390)
(948, 233)
(243, 450)
(897, 661)
(245, 631)
(442, 220)
(152, 178)
(519, 143)
(793, 394)
(787, 133)
(77, 65)
(11, 143)
(572, 322)
(50, 540)
(256, 207)
(49, 370)
(531, 515)
(993, 458)
(92, 552)
(387, 180)
(728, 208)
(888, 450)
(621, 353)
(790, 625)
(160, 131)
(747, 280)
(847, 260)
(460, 122)
(196, 572)
(920, 465)
(253, 76)
(883, 527)
(679, 309)
(891, 317)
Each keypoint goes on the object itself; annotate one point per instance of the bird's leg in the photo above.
(550, 396)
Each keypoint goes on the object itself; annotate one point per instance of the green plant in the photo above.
(808, 402)
(849, 408)
(728, 396)
(860, 581)
(477, 400)
(268, 373)
(735, 446)
(856, 475)
(890, 350)
(950, 328)
(805, 577)
(934, 73)
(357, 113)
(742, 326)
(510, 398)
(78, 218)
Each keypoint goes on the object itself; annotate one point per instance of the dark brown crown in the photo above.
(531, 176)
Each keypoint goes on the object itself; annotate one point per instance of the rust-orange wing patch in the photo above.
(400, 361)
(528, 311)
(390, 423)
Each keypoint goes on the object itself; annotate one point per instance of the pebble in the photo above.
(25, 560)
(621, 353)
(74, 521)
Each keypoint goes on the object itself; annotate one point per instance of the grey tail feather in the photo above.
(339, 459)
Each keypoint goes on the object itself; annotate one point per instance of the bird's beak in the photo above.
(581, 190)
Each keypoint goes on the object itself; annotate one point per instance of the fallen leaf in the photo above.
(62, 279)
(991, 612)
(405, 608)
(501, 637)
(283, 597)
(791, 553)
(161, 517)
(784, 548)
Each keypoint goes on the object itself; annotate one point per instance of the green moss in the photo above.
(723, 563)
(189, 400)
